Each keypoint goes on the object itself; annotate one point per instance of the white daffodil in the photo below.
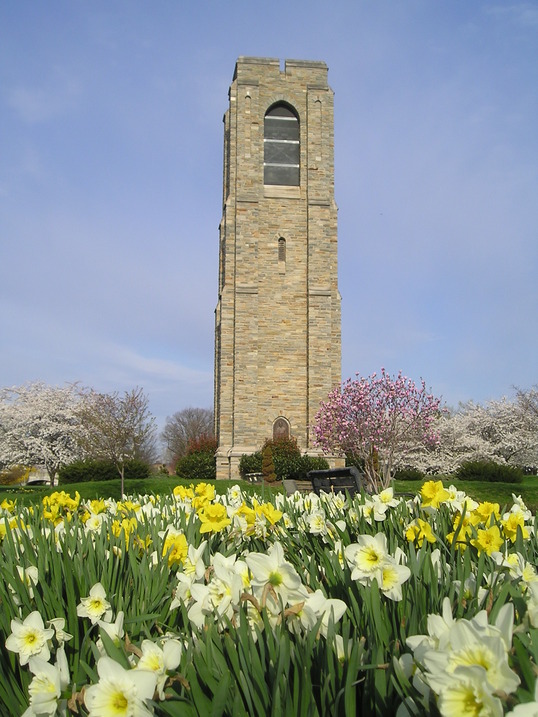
(95, 606)
(120, 692)
(183, 591)
(532, 602)
(220, 596)
(390, 578)
(113, 629)
(469, 590)
(45, 689)
(273, 570)
(58, 624)
(467, 692)
(386, 497)
(160, 660)
(456, 499)
(328, 609)
(373, 510)
(94, 522)
(438, 628)
(29, 577)
(466, 648)
(29, 638)
(193, 564)
(316, 522)
(367, 555)
(234, 495)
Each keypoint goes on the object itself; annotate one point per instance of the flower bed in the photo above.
(198, 604)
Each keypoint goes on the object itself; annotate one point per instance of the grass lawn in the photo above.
(157, 485)
(495, 492)
(479, 490)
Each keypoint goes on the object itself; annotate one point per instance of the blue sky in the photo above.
(110, 187)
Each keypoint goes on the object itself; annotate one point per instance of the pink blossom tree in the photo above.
(377, 420)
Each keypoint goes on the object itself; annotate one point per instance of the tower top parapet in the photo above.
(251, 68)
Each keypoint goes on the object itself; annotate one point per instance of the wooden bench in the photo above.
(335, 480)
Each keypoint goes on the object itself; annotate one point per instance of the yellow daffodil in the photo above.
(488, 540)
(418, 531)
(213, 518)
(511, 524)
(433, 493)
(176, 547)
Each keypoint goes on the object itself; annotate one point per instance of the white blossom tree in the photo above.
(504, 431)
(40, 425)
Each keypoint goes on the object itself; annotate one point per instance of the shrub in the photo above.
(312, 463)
(286, 456)
(287, 459)
(489, 471)
(250, 463)
(97, 471)
(268, 465)
(409, 474)
(199, 463)
(14, 475)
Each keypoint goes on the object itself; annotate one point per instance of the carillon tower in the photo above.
(277, 321)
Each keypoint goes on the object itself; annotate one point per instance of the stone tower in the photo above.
(277, 321)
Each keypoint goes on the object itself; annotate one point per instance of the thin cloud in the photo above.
(60, 94)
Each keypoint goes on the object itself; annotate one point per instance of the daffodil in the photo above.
(418, 531)
(271, 569)
(95, 605)
(120, 692)
(113, 629)
(512, 523)
(433, 493)
(367, 555)
(45, 689)
(29, 638)
(58, 624)
(390, 578)
(488, 540)
(466, 692)
(175, 546)
(193, 563)
(160, 660)
(213, 518)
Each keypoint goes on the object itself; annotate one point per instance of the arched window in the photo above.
(281, 249)
(281, 146)
(281, 429)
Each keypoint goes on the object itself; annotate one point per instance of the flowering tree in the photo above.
(40, 425)
(377, 420)
(117, 428)
(504, 431)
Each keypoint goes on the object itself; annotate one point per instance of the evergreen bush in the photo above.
(268, 466)
(287, 459)
(101, 470)
(490, 472)
(409, 474)
(199, 463)
(250, 463)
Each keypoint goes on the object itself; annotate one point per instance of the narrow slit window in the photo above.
(282, 249)
(281, 147)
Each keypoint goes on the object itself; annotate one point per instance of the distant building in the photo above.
(277, 320)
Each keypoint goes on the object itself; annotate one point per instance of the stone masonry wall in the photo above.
(277, 322)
